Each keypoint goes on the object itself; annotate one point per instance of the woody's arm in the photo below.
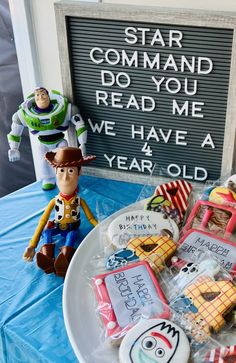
(30, 250)
(88, 212)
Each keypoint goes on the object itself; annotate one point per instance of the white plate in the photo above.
(81, 321)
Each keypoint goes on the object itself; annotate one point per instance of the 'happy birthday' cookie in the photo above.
(155, 340)
(124, 295)
(139, 223)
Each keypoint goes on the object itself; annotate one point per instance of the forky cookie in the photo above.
(155, 341)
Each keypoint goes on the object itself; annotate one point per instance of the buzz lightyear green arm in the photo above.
(14, 138)
(88, 212)
(80, 128)
(30, 250)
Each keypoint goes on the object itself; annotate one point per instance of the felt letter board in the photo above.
(154, 86)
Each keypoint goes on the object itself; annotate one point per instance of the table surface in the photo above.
(32, 325)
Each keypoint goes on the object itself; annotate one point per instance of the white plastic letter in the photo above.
(133, 102)
(137, 132)
(123, 84)
(197, 176)
(180, 135)
(172, 173)
(144, 31)
(105, 81)
(175, 36)
(178, 109)
(158, 83)
(150, 64)
(101, 96)
(121, 162)
(157, 38)
(200, 65)
(115, 100)
(196, 108)
(112, 52)
(145, 101)
(128, 32)
(92, 57)
(109, 127)
(170, 63)
(109, 159)
(133, 61)
(178, 85)
(208, 141)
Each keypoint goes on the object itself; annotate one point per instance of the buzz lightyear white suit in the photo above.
(48, 125)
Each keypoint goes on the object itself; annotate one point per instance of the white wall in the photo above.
(34, 28)
(216, 5)
(46, 40)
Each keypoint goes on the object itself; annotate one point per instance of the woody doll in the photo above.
(67, 203)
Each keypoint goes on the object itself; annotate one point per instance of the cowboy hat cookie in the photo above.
(139, 223)
(155, 340)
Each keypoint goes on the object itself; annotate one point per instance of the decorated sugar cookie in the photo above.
(222, 195)
(156, 250)
(125, 295)
(155, 341)
(139, 223)
(210, 217)
(204, 303)
(220, 248)
(190, 271)
(222, 355)
(176, 195)
(121, 258)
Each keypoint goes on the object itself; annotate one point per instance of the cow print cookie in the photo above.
(155, 340)
(140, 223)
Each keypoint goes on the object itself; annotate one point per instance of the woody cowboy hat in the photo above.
(68, 156)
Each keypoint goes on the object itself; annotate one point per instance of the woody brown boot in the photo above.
(63, 260)
(45, 258)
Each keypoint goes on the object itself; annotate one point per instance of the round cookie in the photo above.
(139, 223)
(222, 195)
(155, 340)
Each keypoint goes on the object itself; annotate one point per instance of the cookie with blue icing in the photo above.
(121, 258)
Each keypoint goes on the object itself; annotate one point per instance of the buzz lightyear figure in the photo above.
(47, 116)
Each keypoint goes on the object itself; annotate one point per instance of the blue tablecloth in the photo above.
(32, 326)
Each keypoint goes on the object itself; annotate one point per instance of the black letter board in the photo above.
(152, 93)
